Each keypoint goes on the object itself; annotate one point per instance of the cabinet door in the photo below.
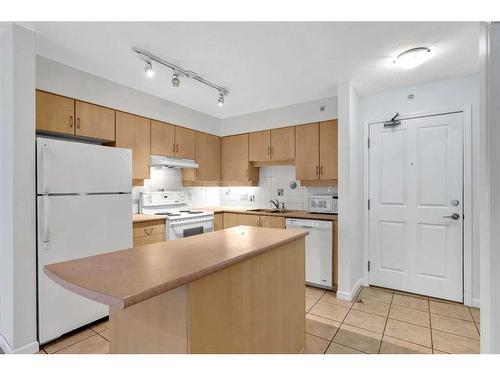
(230, 220)
(207, 155)
(272, 222)
(162, 138)
(307, 152)
(283, 143)
(184, 143)
(94, 121)
(54, 113)
(235, 158)
(133, 132)
(328, 150)
(259, 145)
(246, 219)
(218, 222)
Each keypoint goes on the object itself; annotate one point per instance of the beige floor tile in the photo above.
(391, 345)
(358, 338)
(371, 306)
(309, 303)
(105, 334)
(456, 326)
(475, 314)
(329, 311)
(408, 332)
(315, 293)
(367, 321)
(341, 349)
(331, 297)
(450, 309)
(315, 345)
(92, 345)
(411, 295)
(101, 326)
(380, 295)
(68, 340)
(321, 327)
(446, 342)
(411, 302)
(418, 317)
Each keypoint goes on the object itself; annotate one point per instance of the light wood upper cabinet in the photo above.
(328, 150)
(55, 113)
(207, 155)
(283, 143)
(236, 168)
(307, 152)
(94, 121)
(259, 144)
(184, 143)
(162, 138)
(133, 132)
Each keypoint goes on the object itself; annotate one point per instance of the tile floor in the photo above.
(379, 321)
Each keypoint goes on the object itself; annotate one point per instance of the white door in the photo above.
(71, 227)
(70, 167)
(416, 206)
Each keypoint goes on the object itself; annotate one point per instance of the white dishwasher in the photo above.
(319, 248)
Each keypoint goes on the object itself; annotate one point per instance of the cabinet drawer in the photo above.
(148, 229)
(154, 238)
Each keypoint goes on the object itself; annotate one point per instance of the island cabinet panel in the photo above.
(236, 169)
(133, 132)
(162, 138)
(248, 219)
(243, 309)
(94, 121)
(307, 152)
(207, 155)
(184, 143)
(328, 150)
(55, 113)
(283, 143)
(272, 222)
(230, 220)
(218, 221)
(259, 144)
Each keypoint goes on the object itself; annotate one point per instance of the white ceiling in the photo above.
(263, 65)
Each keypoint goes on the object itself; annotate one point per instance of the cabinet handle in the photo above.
(173, 147)
(148, 233)
(176, 148)
(272, 150)
(268, 151)
(78, 122)
(317, 170)
(71, 121)
(321, 170)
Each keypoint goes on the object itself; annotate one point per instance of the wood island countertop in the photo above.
(123, 278)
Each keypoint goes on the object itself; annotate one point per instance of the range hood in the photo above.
(170, 162)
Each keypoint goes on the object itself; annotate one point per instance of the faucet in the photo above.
(276, 203)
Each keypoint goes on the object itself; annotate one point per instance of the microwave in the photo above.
(323, 204)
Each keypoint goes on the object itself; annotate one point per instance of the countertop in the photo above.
(140, 218)
(296, 214)
(127, 277)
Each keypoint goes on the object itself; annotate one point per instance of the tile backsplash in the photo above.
(274, 183)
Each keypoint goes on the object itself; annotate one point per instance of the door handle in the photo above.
(46, 222)
(44, 167)
(453, 216)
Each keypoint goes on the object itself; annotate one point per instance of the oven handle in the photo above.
(198, 221)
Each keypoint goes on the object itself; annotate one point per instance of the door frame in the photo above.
(467, 191)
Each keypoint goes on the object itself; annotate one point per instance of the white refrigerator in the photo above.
(83, 209)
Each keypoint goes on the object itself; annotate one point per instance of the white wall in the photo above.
(438, 95)
(302, 113)
(17, 191)
(62, 79)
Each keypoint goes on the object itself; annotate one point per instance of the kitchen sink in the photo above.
(270, 210)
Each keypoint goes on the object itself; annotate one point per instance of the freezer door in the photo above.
(71, 227)
(65, 167)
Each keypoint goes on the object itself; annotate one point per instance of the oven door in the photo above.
(189, 228)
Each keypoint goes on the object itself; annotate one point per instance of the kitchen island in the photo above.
(239, 290)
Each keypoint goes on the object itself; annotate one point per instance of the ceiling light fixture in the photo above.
(412, 58)
(148, 69)
(178, 72)
(221, 98)
(176, 80)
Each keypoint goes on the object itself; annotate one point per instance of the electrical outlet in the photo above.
(252, 198)
(280, 192)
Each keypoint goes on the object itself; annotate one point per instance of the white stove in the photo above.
(181, 221)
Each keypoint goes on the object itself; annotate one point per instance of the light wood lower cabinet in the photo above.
(230, 220)
(250, 220)
(218, 221)
(272, 222)
(264, 221)
(145, 233)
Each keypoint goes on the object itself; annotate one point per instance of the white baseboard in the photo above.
(350, 295)
(30, 348)
(476, 303)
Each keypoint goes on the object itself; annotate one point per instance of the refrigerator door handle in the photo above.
(44, 167)
(46, 222)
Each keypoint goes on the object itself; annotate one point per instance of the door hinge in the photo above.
(368, 204)
(368, 142)
(368, 266)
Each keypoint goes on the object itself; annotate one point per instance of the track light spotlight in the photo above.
(221, 98)
(148, 69)
(176, 80)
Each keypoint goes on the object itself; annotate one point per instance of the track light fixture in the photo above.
(178, 73)
(148, 69)
(176, 80)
